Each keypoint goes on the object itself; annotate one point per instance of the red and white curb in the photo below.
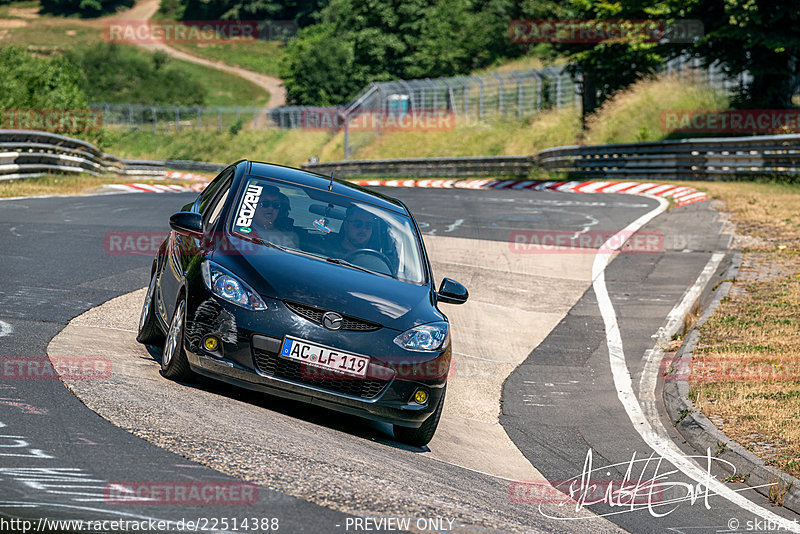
(681, 195)
(157, 188)
(200, 183)
(185, 176)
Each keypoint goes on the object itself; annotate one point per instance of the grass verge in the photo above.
(634, 114)
(498, 136)
(47, 35)
(286, 147)
(746, 369)
(262, 57)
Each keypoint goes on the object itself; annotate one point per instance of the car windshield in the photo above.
(337, 228)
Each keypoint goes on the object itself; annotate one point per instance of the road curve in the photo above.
(145, 9)
(533, 331)
(381, 478)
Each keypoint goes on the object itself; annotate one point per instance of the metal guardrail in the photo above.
(26, 154)
(704, 159)
(419, 167)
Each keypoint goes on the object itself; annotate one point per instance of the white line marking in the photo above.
(455, 225)
(622, 382)
(481, 358)
(5, 329)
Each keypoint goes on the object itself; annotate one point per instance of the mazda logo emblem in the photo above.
(332, 321)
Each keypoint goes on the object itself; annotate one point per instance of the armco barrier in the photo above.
(703, 159)
(30, 153)
(419, 167)
(27, 154)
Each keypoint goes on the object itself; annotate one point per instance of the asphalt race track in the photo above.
(539, 380)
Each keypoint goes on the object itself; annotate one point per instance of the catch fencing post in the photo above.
(519, 94)
(558, 91)
(480, 98)
(346, 135)
(499, 93)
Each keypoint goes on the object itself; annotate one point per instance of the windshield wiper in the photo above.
(266, 243)
(346, 263)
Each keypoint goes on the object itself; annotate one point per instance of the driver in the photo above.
(362, 231)
(357, 229)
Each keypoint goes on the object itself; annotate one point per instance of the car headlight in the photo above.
(430, 336)
(225, 285)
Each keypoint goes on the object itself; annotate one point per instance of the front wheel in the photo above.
(419, 437)
(174, 364)
(149, 331)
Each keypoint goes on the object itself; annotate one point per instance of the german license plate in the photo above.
(324, 357)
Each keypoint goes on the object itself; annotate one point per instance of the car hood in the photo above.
(315, 282)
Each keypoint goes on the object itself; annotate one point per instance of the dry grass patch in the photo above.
(746, 369)
(633, 115)
(488, 137)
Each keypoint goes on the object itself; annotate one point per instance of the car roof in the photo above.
(320, 181)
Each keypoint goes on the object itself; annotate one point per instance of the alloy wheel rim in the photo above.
(146, 307)
(174, 335)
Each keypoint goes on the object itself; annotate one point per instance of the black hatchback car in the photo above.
(303, 286)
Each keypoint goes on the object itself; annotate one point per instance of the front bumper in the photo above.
(248, 356)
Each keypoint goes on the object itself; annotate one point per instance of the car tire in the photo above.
(149, 331)
(174, 364)
(419, 437)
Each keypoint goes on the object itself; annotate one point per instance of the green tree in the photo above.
(604, 67)
(302, 12)
(318, 66)
(116, 73)
(33, 82)
(84, 8)
(758, 36)
(391, 39)
(458, 36)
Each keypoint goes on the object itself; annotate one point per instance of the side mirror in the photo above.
(451, 292)
(187, 222)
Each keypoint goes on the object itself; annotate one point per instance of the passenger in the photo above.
(272, 222)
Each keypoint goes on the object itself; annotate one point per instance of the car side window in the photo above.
(213, 209)
(210, 193)
(215, 212)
